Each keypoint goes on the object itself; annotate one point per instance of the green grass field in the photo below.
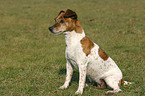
(32, 60)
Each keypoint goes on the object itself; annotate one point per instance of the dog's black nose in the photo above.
(51, 28)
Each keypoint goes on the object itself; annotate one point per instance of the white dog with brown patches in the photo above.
(86, 56)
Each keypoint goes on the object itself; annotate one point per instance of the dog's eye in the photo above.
(61, 21)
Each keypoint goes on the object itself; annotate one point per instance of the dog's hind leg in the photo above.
(113, 83)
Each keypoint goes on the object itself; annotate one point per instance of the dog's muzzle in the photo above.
(51, 30)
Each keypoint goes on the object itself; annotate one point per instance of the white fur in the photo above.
(92, 65)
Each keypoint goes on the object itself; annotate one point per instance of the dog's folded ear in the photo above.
(70, 14)
(61, 12)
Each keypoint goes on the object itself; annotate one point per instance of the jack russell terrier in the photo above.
(86, 56)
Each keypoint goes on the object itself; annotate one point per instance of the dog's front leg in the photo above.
(82, 78)
(69, 74)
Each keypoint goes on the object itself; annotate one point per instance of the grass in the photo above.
(32, 60)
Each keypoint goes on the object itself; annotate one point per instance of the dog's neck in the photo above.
(73, 38)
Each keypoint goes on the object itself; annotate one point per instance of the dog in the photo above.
(85, 55)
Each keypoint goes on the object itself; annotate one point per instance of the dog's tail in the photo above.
(122, 82)
(126, 83)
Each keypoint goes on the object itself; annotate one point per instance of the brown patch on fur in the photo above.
(78, 27)
(73, 25)
(87, 45)
(70, 14)
(70, 19)
(121, 82)
(56, 25)
(70, 24)
(102, 54)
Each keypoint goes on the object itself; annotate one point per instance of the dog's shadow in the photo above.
(75, 77)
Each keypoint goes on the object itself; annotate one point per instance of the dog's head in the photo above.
(66, 22)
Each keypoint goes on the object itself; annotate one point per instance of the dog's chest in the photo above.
(74, 52)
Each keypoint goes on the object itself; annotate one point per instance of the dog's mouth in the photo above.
(51, 30)
(60, 32)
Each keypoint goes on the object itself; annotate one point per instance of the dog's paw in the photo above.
(87, 84)
(79, 92)
(63, 87)
(112, 92)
